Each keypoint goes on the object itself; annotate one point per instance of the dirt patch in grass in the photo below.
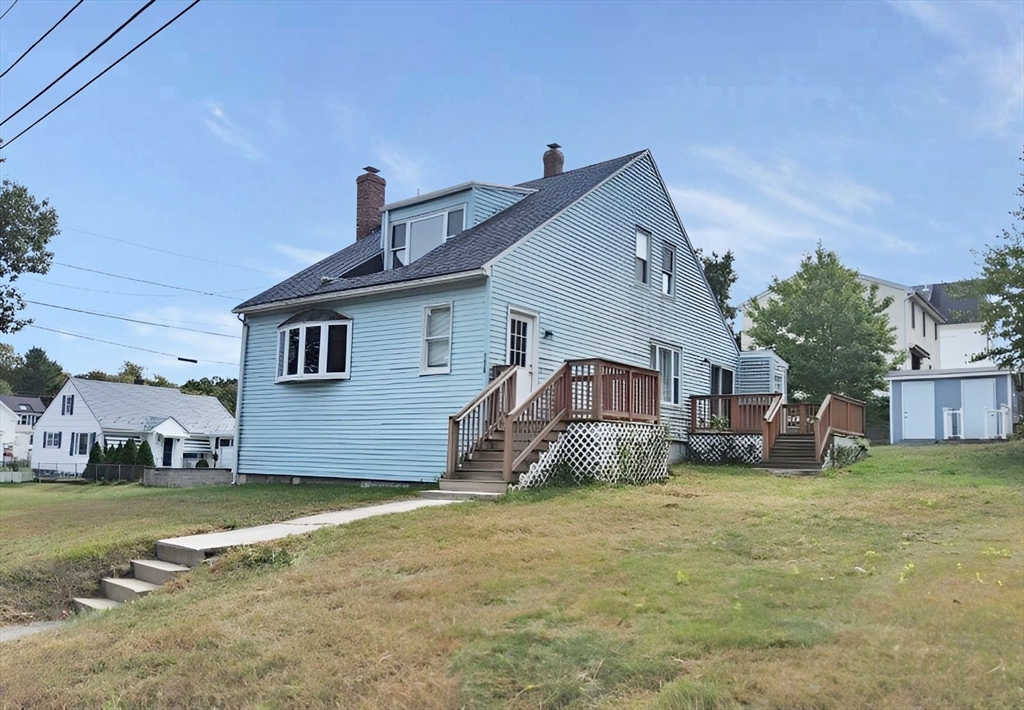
(882, 587)
(59, 540)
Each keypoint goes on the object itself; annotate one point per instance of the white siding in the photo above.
(81, 421)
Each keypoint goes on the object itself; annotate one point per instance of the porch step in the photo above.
(85, 605)
(460, 495)
(463, 485)
(179, 555)
(126, 589)
(156, 571)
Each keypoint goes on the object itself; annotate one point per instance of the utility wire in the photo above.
(151, 283)
(122, 293)
(132, 320)
(72, 67)
(87, 84)
(75, 7)
(164, 251)
(9, 7)
(122, 345)
(165, 320)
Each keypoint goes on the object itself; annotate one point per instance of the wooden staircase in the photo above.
(793, 452)
(482, 470)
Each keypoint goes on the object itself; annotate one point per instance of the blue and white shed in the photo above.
(958, 404)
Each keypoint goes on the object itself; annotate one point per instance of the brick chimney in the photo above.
(553, 160)
(369, 201)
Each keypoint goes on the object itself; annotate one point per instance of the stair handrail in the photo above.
(822, 425)
(558, 410)
(460, 446)
(770, 428)
(838, 414)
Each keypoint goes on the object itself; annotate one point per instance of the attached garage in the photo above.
(961, 404)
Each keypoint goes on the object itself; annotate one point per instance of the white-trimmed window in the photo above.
(436, 353)
(642, 263)
(666, 361)
(316, 345)
(67, 405)
(28, 419)
(81, 443)
(721, 380)
(668, 269)
(409, 239)
(51, 440)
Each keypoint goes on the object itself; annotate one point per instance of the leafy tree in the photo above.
(5, 388)
(1000, 293)
(145, 455)
(117, 455)
(130, 453)
(223, 389)
(721, 276)
(130, 373)
(96, 454)
(26, 228)
(829, 326)
(38, 376)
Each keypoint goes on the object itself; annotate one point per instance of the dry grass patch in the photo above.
(723, 588)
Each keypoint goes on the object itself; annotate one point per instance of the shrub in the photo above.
(202, 463)
(96, 454)
(130, 453)
(145, 455)
(117, 455)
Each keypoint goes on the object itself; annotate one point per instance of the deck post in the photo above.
(597, 393)
(453, 445)
(506, 456)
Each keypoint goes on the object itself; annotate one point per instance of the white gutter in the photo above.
(238, 401)
(365, 291)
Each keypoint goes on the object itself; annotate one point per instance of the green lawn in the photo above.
(57, 540)
(896, 584)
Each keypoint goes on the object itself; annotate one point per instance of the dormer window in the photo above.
(409, 239)
(314, 345)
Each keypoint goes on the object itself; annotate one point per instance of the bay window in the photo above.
(316, 345)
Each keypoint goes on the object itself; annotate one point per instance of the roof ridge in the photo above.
(626, 158)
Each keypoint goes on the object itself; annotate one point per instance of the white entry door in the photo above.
(978, 395)
(522, 351)
(918, 410)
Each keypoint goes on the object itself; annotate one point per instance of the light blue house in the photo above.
(353, 367)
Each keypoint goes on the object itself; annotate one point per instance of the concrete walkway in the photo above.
(9, 633)
(262, 533)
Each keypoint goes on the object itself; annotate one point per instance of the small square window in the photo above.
(455, 222)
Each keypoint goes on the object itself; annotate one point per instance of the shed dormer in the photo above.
(416, 226)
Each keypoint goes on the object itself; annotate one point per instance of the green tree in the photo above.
(118, 455)
(829, 326)
(38, 376)
(1000, 293)
(130, 453)
(130, 373)
(10, 363)
(26, 228)
(223, 389)
(145, 455)
(96, 454)
(721, 276)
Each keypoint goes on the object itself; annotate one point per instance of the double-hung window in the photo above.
(642, 263)
(666, 361)
(411, 238)
(668, 269)
(721, 380)
(67, 405)
(436, 353)
(51, 440)
(316, 345)
(80, 444)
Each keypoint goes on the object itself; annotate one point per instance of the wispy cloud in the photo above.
(230, 133)
(985, 41)
(399, 166)
(301, 255)
(185, 343)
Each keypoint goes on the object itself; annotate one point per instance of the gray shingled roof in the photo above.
(466, 252)
(123, 407)
(964, 310)
(15, 402)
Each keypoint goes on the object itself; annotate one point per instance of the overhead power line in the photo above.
(164, 251)
(9, 8)
(131, 347)
(72, 67)
(89, 83)
(151, 283)
(135, 320)
(123, 293)
(73, 8)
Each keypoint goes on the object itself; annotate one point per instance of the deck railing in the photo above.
(480, 418)
(837, 415)
(772, 424)
(735, 413)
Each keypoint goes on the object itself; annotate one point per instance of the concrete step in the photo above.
(156, 571)
(85, 605)
(459, 495)
(179, 555)
(126, 589)
(473, 486)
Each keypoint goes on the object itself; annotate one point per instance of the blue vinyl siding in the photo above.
(577, 272)
(489, 201)
(948, 394)
(481, 202)
(387, 422)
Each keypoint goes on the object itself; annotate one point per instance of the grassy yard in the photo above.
(56, 540)
(896, 584)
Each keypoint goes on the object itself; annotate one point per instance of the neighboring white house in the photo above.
(960, 337)
(27, 411)
(8, 423)
(180, 428)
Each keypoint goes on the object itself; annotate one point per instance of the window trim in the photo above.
(424, 368)
(51, 439)
(281, 361)
(445, 211)
(677, 371)
(646, 279)
(667, 246)
(67, 405)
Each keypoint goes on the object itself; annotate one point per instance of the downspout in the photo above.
(238, 400)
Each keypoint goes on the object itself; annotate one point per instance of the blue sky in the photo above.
(890, 131)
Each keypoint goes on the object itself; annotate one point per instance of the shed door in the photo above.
(978, 395)
(918, 410)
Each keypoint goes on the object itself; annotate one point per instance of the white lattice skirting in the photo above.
(616, 453)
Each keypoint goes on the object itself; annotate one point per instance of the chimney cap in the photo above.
(554, 146)
(372, 170)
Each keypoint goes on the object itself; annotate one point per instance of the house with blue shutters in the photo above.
(400, 357)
